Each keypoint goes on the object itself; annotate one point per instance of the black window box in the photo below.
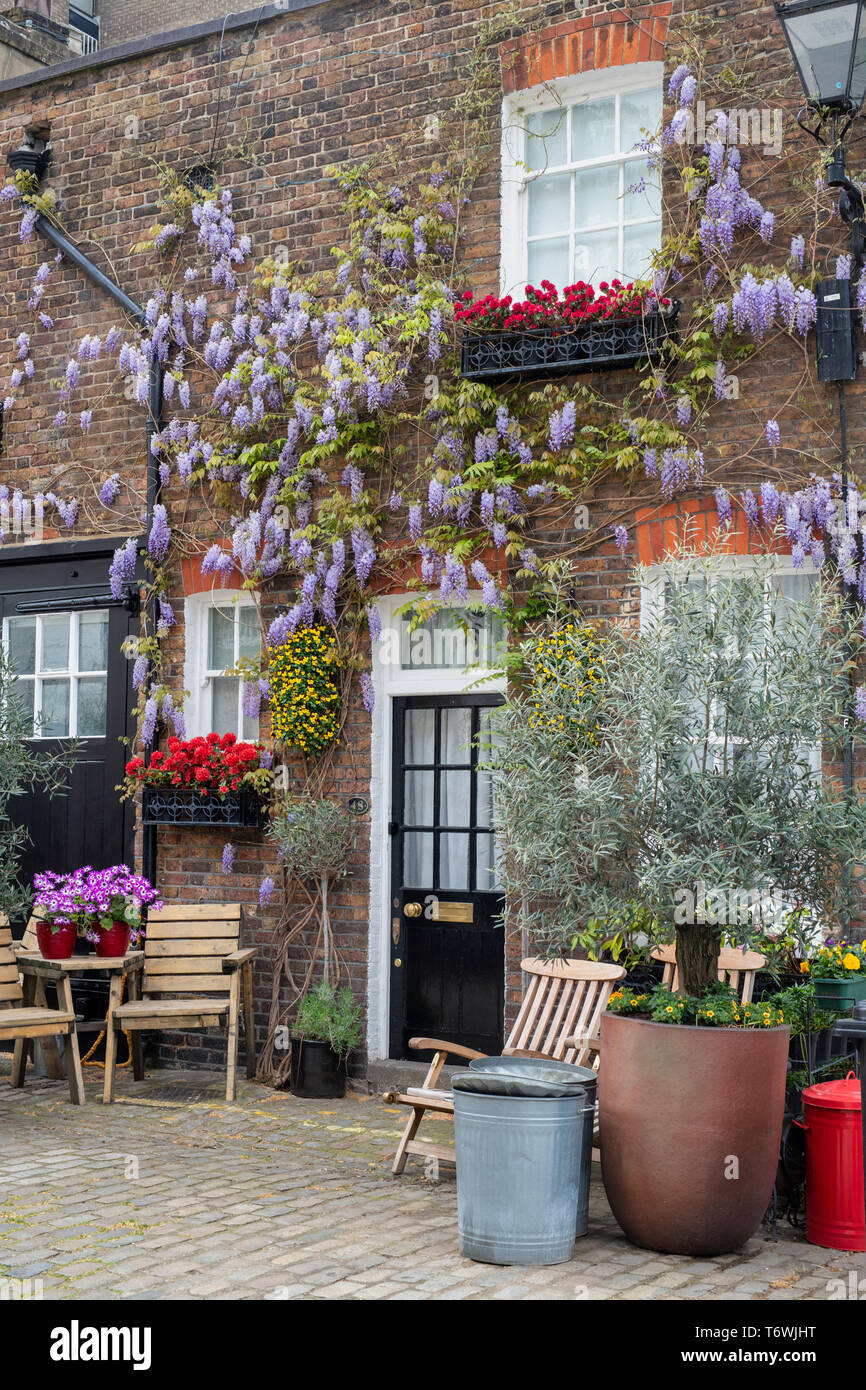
(180, 806)
(594, 346)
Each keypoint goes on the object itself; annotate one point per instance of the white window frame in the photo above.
(550, 96)
(389, 681)
(653, 603)
(198, 676)
(71, 673)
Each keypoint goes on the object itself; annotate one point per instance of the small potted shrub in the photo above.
(838, 973)
(326, 1028)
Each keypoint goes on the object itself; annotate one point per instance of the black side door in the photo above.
(447, 959)
(63, 631)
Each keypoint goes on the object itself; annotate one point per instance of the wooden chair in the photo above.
(731, 965)
(194, 977)
(559, 1018)
(25, 1015)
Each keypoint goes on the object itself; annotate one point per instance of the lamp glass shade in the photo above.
(828, 41)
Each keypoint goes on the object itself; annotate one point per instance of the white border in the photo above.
(195, 609)
(390, 680)
(516, 106)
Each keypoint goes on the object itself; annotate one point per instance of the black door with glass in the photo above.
(63, 632)
(447, 956)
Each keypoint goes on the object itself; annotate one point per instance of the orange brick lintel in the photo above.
(584, 45)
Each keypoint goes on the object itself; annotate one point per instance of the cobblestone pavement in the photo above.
(170, 1193)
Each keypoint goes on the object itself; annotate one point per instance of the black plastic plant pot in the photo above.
(597, 345)
(179, 806)
(318, 1072)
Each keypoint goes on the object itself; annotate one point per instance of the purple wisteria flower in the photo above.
(122, 567)
(749, 504)
(266, 890)
(159, 539)
(798, 251)
(773, 434)
(770, 503)
(620, 537)
(562, 425)
(684, 411)
(368, 694)
(148, 723)
(723, 506)
(228, 858)
(109, 490)
(860, 703)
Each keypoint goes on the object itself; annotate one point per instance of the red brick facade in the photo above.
(317, 85)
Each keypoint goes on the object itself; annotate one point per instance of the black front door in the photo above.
(63, 632)
(447, 957)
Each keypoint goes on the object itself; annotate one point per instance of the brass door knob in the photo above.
(412, 910)
(398, 962)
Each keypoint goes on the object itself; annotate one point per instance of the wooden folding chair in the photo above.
(559, 1018)
(732, 966)
(25, 1015)
(194, 977)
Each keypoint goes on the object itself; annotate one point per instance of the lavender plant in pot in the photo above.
(698, 788)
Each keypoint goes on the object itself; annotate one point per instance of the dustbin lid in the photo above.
(498, 1083)
(539, 1069)
(835, 1095)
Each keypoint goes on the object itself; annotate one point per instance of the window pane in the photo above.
(546, 138)
(53, 719)
(249, 728)
(221, 639)
(639, 244)
(484, 797)
(592, 129)
(418, 798)
(92, 699)
(454, 792)
(55, 642)
(644, 200)
(21, 641)
(418, 859)
(93, 641)
(596, 197)
(549, 204)
(486, 878)
(453, 861)
(22, 692)
(224, 709)
(418, 736)
(250, 633)
(639, 112)
(548, 260)
(456, 736)
(595, 256)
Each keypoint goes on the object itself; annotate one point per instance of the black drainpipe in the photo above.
(154, 424)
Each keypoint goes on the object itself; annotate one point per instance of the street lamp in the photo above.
(827, 39)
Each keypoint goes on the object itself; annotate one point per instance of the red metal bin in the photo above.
(834, 1165)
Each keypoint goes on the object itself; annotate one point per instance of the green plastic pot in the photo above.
(841, 995)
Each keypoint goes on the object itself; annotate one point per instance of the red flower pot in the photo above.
(56, 944)
(114, 940)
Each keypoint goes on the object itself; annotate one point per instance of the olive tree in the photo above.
(690, 774)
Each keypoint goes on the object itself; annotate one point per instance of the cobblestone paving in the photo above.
(170, 1193)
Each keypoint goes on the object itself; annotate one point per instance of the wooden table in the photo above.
(36, 970)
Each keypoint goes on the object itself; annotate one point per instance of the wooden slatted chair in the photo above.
(732, 966)
(25, 1015)
(559, 1018)
(194, 977)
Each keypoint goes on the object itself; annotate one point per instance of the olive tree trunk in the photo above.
(697, 954)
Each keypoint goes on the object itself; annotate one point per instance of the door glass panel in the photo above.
(486, 880)
(595, 197)
(22, 693)
(53, 721)
(93, 641)
(221, 639)
(548, 260)
(55, 642)
(21, 640)
(418, 803)
(453, 861)
(484, 799)
(592, 129)
(547, 138)
(92, 700)
(249, 634)
(549, 204)
(418, 736)
(454, 793)
(418, 859)
(456, 736)
(225, 704)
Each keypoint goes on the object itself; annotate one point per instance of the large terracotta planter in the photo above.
(690, 1123)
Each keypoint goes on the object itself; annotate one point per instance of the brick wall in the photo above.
(334, 83)
(121, 21)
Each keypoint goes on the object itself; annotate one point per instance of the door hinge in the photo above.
(393, 827)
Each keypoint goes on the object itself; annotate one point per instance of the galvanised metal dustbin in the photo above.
(522, 1171)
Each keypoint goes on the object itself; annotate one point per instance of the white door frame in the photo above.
(391, 680)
